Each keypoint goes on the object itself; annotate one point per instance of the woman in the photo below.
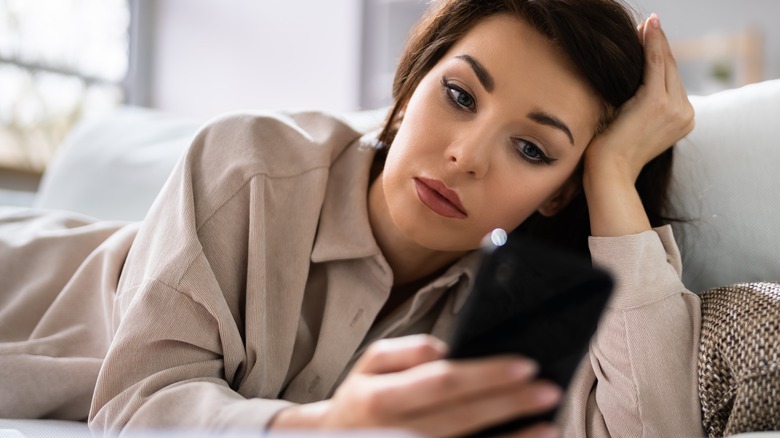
(283, 247)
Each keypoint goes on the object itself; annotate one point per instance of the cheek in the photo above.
(421, 137)
(425, 115)
(520, 191)
(515, 206)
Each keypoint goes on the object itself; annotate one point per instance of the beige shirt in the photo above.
(255, 282)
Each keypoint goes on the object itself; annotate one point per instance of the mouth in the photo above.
(439, 198)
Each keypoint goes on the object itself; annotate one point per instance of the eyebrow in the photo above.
(482, 74)
(548, 120)
(487, 81)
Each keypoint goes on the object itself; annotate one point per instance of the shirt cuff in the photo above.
(645, 266)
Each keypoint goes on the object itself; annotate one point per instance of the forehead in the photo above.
(530, 71)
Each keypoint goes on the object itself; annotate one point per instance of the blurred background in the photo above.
(62, 61)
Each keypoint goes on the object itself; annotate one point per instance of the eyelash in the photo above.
(517, 143)
(449, 88)
(542, 159)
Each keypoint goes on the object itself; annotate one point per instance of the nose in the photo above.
(470, 155)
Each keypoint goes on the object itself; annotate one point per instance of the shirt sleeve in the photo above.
(639, 378)
(183, 344)
(166, 368)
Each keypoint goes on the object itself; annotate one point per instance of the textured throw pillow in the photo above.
(739, 359)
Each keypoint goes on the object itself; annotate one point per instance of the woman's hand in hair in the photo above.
(656, 117)
(404, 383)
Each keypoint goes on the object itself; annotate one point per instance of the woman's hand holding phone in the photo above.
(405, 383)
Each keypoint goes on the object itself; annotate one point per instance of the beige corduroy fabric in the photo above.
(739, 359)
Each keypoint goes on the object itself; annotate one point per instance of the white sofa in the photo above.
(726, 181)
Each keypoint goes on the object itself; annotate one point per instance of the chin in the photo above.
(417, 224)
(442, 239)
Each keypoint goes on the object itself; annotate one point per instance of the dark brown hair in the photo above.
(599, 36)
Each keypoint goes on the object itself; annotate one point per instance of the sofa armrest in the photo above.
(725, 181)
(113, 167)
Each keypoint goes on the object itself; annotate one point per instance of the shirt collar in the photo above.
(465, 272)
(344, 231)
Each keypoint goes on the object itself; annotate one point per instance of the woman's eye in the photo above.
(458, 96)
(462, 98)
(531, 152)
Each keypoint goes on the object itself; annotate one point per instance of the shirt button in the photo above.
(357, 317)
(313, 385)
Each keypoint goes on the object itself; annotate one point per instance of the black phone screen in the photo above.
(535, 300)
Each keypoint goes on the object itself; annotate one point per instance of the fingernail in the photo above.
(654, 20)
(524, 369)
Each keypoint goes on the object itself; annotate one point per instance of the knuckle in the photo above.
(443, 376)
(669, 59)
(683, 115)
(691, 125)
(690, 113)
(655, 57)
(658, 105)
(380, 346)
(408, 350)
(425, 349)
(372, 403)
(677, 115)
(377, 350)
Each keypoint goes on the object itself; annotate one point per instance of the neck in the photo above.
(409, 261)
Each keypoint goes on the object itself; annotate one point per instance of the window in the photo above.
(60, 60)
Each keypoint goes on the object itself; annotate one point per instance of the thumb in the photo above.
(399, 354)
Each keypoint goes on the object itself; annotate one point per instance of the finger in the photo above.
(655, 69)
(674, 85)
(473, 415)
(539, 430)
(398, 354)
(438, 383)
(640, 31)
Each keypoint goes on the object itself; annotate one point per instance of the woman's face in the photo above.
(489, 136)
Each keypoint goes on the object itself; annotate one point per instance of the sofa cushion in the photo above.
(725, 180)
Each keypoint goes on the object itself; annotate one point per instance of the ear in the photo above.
(560, 199)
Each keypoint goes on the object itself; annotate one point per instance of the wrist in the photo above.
(614, 205)
(612, 158)
(608, 173)
(305, 416)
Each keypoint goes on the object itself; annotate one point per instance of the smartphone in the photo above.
(535, 300)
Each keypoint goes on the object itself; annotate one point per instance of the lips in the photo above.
(439, 198)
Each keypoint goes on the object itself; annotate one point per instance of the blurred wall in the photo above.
(203, 57)
(695, 18)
